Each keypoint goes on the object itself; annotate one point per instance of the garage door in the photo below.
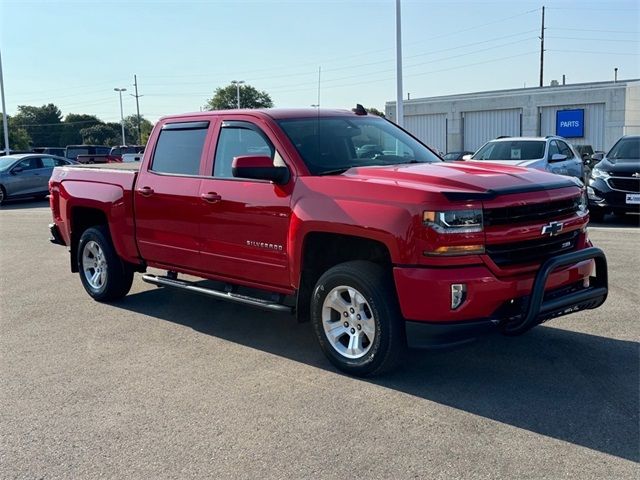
(593, 123)
(482, 126)
(430, 129)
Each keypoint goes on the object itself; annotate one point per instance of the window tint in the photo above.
(48, 162)
(511, 150)
(179, 151)
(565, 150)
(553, 148)
(236, 141)
(73, 152)
(59, 162)
(103, 150)
(627, 148)
(30, 164)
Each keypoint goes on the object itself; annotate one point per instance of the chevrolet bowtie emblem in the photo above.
(552, 229)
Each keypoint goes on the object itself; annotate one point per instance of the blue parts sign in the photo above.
(570, 123)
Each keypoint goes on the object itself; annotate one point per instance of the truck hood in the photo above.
(481, 179)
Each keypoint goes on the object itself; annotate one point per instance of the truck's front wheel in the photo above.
(356, 318)
(103, 274)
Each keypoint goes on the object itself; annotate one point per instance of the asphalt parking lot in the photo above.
(167, 385)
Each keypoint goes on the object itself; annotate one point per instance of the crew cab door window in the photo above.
(239, 139)
(179, 148)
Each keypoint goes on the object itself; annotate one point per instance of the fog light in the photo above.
(458, 294)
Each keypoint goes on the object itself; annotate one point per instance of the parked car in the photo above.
(376, 252)
(552, 154)
(585, 151)
(57, 151)
(27, 175)
(456, 156)
(128, 153)
(614, 183)
(87, 153)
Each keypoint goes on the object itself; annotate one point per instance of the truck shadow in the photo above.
(24, 203)
(574, 387)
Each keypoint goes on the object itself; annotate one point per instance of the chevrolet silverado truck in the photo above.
(278, 210)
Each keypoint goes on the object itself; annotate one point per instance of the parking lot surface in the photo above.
(163, 384)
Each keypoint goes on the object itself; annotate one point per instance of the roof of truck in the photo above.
(275, 113)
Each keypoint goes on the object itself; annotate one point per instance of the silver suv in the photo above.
(552, 154)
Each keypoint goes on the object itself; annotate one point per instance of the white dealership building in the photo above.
(601, 112)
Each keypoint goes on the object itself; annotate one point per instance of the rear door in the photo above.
(245, 222)
(167, 202)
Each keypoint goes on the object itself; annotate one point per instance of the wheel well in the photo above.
(321, 251)
(81, 219)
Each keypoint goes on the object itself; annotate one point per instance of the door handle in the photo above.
(145, 191)
(211, 197)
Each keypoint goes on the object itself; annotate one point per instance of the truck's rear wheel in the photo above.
(103, 274)
(356, 319)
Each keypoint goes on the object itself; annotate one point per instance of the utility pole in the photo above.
(4, 112)
(319, 70)
(135, 84)
(120, 90)
(237, 83)
(399, 105)
(542, 51)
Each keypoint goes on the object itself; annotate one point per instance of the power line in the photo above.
(599, 40)
(599, 53)
(594, 29)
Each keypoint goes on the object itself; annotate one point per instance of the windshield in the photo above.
(335, 144)
(7, 162)
(511, 150)
(627, 149)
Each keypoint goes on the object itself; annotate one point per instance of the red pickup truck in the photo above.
(287, 210)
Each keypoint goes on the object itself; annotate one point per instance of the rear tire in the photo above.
(102, 272)
(357, 320)
(3, 194)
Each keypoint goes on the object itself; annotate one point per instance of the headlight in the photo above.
(597, 173)
(583, 206)
(454, 221)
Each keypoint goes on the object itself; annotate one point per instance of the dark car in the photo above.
(27, 175)
(456, 156)
(57, 151)
(72, 151)
(614, 183)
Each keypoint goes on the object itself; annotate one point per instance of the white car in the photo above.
(552, 154)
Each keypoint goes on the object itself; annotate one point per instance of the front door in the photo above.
(245, 223)
(167, 203)
(26, 177)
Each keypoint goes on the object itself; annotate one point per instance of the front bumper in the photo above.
(562, 285)
(602, 196)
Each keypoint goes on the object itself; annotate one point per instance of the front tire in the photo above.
(3, 194)
(102, 272)
(356, 318)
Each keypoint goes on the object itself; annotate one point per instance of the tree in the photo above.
(72, 125)
(43, 124)
(18, 137)
(225, 98)
(102, 134)
(131, 129)
(375, 111)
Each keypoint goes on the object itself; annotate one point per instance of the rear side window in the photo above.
(179, 148)
(48, 162)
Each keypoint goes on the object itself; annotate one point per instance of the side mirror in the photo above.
(597, 157)
(259, 168)
(16, 170)
(558, 157)
(466, 157)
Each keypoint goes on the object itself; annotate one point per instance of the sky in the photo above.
(74, 53)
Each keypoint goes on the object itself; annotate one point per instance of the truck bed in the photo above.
(134, 166)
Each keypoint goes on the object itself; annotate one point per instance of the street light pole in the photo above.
(399, 104)
(237, 83)
(4, 112)
(120, 90)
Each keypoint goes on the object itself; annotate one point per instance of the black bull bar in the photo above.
(539, 310)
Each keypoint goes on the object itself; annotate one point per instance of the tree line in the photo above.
(45, 126)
